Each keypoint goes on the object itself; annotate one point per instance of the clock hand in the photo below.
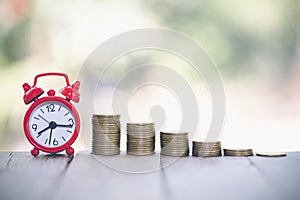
(39, 133)
(50, 137)
(44, 119)
(64, 126)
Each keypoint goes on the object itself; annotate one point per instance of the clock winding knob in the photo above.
(51, 92)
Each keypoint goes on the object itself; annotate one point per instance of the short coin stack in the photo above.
(238, 152)
(106, 134)
(207, 149)
(140, 139)
(174, 144)
(271, 154)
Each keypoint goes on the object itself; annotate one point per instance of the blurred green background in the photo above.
(254, 43)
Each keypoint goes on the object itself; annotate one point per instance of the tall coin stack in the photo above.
(140, 139)
(106, 134)
(174, 144)
(207, 149)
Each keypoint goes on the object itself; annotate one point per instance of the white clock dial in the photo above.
(52, 124)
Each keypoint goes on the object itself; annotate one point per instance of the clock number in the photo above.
(71, 122)
(55, 142)
(34, 127)
(50, 108)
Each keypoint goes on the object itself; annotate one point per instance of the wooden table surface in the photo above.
(86, 176)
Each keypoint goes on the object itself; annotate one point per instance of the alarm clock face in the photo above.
(51, 124)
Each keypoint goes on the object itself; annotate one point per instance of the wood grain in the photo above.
(113, 177)
(27, 177)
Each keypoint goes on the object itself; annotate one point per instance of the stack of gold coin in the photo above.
(207, 149)
(140, 139)
(106, 134)
(238, 152)
(174, 144)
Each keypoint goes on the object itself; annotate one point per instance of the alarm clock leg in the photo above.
(35, 151)
(70, 151)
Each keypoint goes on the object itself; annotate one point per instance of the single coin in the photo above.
(271, 154)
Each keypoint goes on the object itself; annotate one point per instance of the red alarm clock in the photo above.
(51, 124)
